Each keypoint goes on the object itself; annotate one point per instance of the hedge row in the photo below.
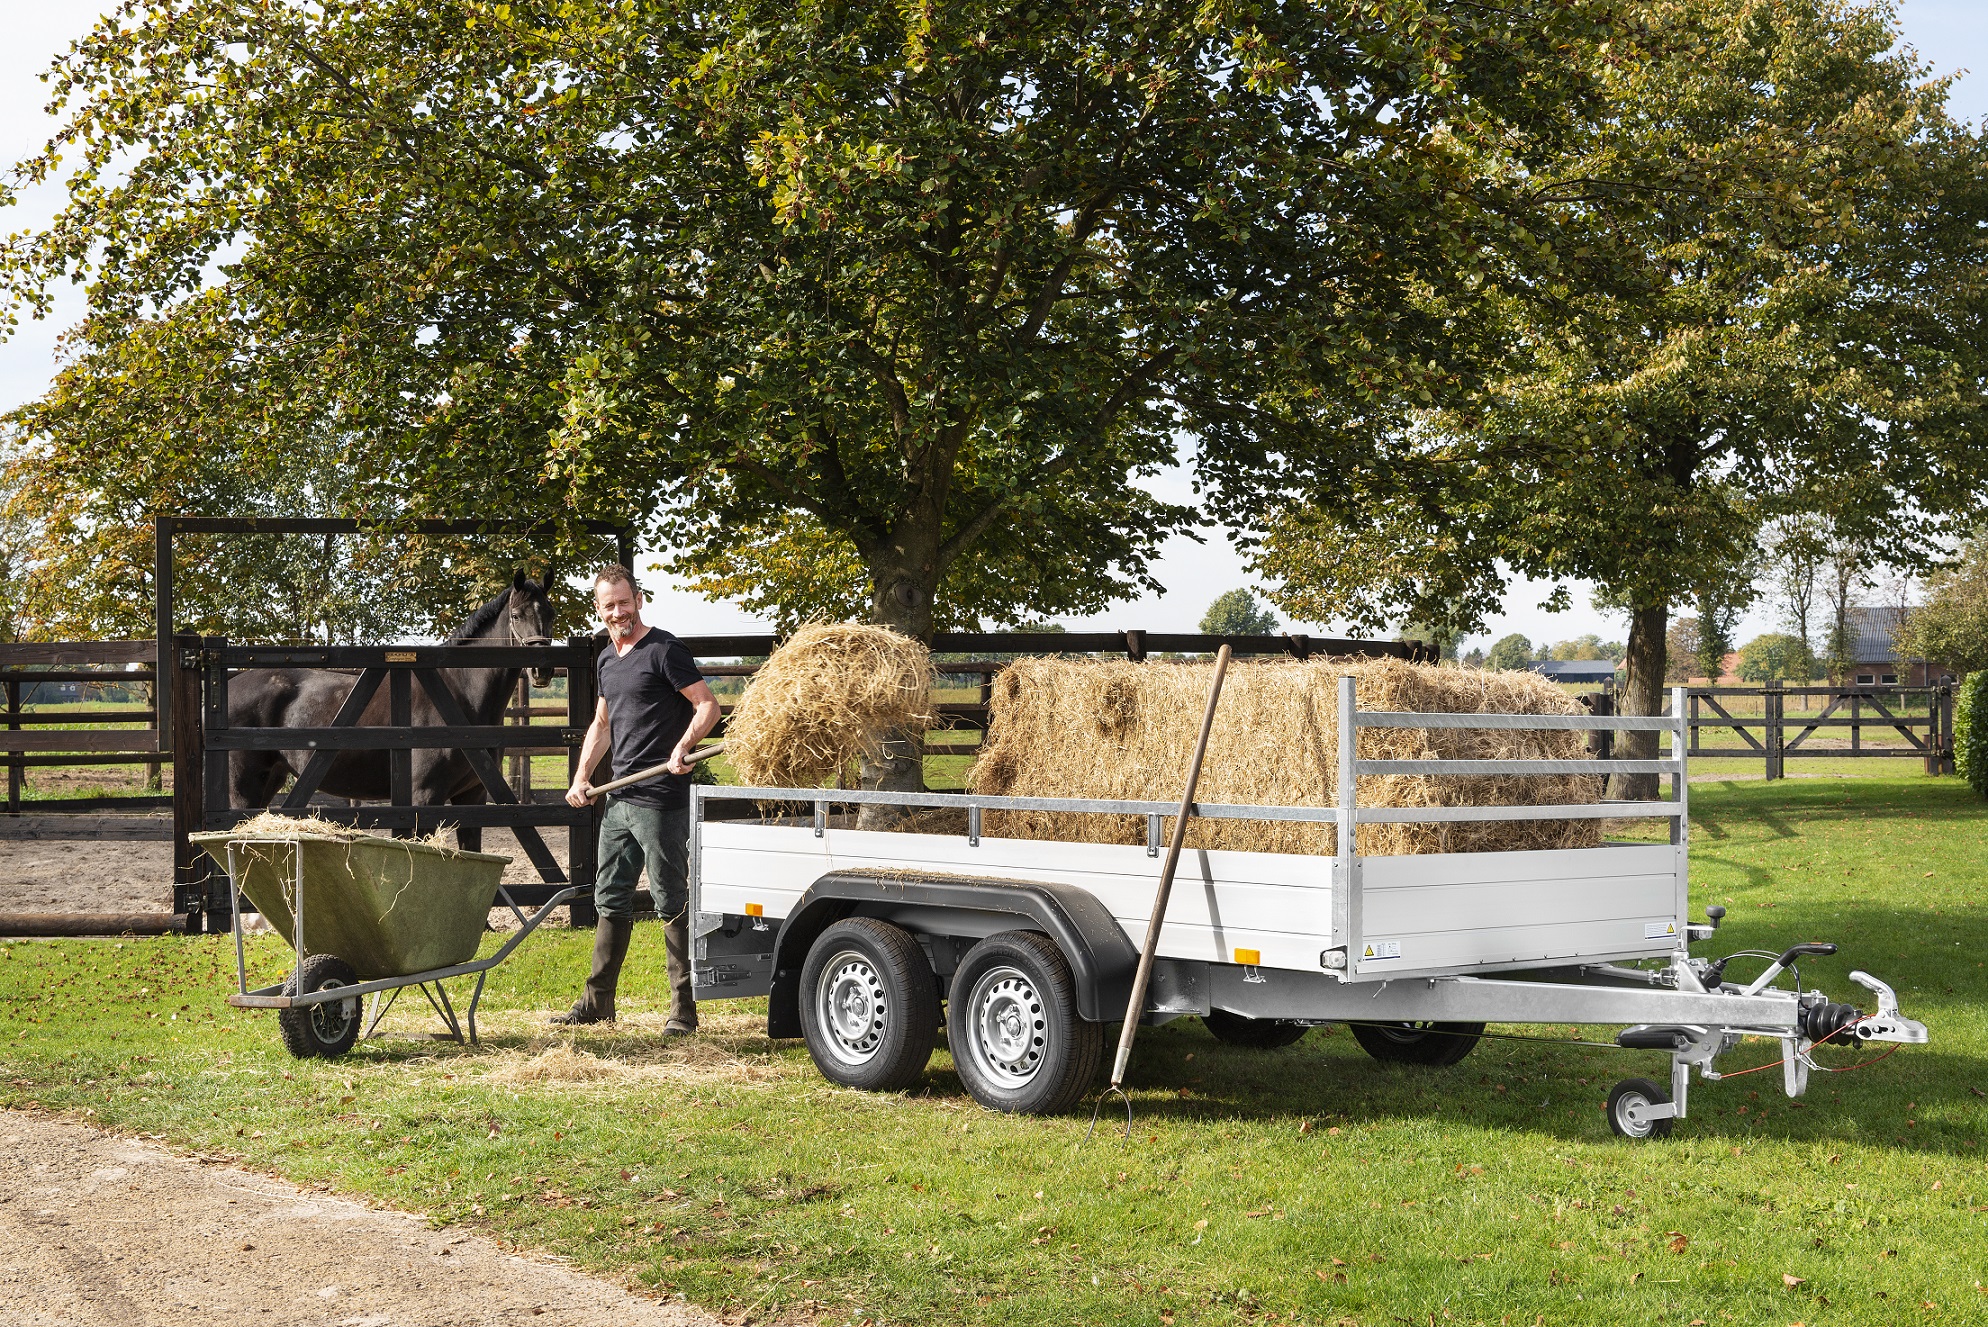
(1970, 730)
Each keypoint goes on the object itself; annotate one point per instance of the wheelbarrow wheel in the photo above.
(324, 1030)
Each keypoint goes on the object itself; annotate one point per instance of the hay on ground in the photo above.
(1114, 729)
(831, 693)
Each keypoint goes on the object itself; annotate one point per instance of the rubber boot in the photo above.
(596, 1004)
(683, 1006)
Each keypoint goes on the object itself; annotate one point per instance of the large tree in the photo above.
(845, 300)
(1775, 307)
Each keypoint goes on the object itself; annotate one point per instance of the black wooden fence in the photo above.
(1910, 722)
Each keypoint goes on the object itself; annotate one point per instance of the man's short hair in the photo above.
(612, 573)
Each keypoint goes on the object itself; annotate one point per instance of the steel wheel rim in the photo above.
(1629, 1108)
(851, 1007)
(1404, 1034)
(330, 1019)
(1007, 1027)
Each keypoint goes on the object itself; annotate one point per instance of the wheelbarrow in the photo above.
(368, 917)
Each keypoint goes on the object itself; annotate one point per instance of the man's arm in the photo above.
(591, 750)
(698, 693)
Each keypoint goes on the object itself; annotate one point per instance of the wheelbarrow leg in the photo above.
(455, 1028)
(380, 1010)
(438, 1000)
(475, 997)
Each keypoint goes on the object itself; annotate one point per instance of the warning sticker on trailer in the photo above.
(1379, 949)
(1659, 930)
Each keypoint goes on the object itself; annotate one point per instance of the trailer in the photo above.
(857, 937)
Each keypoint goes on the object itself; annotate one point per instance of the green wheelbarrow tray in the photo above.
(388, 907)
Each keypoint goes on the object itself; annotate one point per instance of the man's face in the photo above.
(620, 607)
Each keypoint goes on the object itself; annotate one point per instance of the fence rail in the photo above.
(89, 738)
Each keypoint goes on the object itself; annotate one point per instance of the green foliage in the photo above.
(1511, 653)
(1236, 613)
(1681, 650)
(1769, 263)
(1589, 646)
(1970, 731)
(851, 305)
(1951, 629)
(1776, 656)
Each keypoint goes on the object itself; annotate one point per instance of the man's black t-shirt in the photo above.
(647, 712)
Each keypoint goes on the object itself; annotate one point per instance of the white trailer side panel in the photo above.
(1274, 903)
(1455, 911)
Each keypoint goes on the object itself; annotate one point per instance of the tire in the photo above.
(1266, 1034)
(869, 1006)
(1435, 1044)
(325, 1031)
(1017, 1039)
(1630, 1096)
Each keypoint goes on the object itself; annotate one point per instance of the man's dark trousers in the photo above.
(635, 834)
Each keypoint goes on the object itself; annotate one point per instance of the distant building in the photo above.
(1875, 661)
(1593, 672)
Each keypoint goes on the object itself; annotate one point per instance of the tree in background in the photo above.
(1588, 647)
(1795, 548)
(1510, 654)
(1236, 613)
(1847, 569)
(1776, 312)
(1776, 656)
(1474, 659)
(1719, 603)
(1951, 628)
(1681, 650)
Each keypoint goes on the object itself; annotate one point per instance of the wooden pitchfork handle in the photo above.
(643, 776)
(1144, 975)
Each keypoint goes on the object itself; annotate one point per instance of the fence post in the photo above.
(14, 762)
(189, 740)
(582, 837)
(1772, 710)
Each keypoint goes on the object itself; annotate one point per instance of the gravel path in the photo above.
(96, 1229)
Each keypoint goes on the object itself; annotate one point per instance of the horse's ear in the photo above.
(550, 575)
(518, 579)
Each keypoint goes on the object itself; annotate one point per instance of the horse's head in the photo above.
(529, 616)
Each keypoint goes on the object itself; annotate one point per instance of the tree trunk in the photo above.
(903, 577)
(1642, 694)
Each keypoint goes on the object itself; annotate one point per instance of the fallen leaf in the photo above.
(1790, 1281)
(1338, 1262)
(1202, 1224)
(1306, 1127)
(1679, 1243)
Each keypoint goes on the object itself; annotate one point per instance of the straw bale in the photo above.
(1115, 729)
(831, 693)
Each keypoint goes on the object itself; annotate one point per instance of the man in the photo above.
(654, 708)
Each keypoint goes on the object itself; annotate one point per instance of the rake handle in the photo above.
(1130, 1028)
(643, 776)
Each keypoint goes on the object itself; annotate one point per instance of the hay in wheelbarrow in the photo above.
(389, 907)
(1120, 730)
(830, 693)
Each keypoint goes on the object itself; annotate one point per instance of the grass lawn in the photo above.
(1309, 1184)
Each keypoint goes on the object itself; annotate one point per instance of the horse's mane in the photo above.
(483, 619)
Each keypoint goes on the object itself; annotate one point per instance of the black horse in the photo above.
(309, 698)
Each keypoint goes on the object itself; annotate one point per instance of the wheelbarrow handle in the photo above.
(643, 776)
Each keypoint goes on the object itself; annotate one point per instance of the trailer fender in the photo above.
(1101, 958)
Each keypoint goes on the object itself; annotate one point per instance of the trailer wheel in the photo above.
(325, 1030)
(1017, 1040)
(1628, 1109)
(1265, 1034)
(869, 1005)
(1418, 1043)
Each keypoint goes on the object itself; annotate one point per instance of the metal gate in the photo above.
(203, 737)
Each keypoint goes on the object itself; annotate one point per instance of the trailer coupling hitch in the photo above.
(1886, 1024)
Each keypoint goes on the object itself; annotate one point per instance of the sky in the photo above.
(1952, 35)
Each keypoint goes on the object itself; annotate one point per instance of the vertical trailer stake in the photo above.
(1130, 1029)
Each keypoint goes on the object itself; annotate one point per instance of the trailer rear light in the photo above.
(1249, 957)
(755, 910)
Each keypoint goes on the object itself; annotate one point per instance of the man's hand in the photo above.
(678, 765)
(581, 794)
